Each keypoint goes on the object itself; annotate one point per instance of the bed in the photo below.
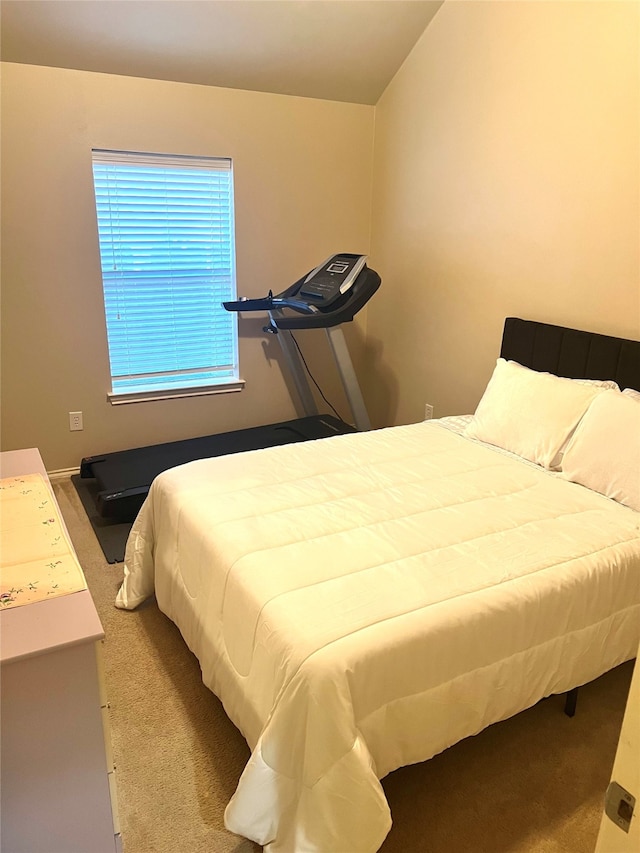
(363, 602)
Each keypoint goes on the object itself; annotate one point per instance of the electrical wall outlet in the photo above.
(428, 411)
(75, 421)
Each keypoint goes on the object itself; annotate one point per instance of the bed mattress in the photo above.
(364, 602)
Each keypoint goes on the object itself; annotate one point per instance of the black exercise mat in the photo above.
(111, 533)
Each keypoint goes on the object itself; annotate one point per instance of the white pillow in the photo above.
(631, 392)
(556, 465)
(604, 453)
(599, 383)
(530, 413)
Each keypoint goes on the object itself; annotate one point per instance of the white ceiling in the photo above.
(342, 50)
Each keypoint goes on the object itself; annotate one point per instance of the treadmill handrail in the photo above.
(269, 303)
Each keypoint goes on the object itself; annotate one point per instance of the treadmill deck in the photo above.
(124, 477)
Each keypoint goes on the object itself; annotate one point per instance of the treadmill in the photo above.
(326, 297)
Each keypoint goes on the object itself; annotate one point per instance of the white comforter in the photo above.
(363, 602)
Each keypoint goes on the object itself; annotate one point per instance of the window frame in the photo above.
(171, 389)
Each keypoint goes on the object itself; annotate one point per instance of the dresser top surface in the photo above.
(43, 626)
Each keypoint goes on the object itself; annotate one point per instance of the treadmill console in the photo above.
(332, 279)
(327, 296)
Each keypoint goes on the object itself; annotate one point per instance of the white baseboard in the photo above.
(62, 473)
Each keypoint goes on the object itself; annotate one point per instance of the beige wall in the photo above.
(303, 191)
(505, 168)
(506, 182)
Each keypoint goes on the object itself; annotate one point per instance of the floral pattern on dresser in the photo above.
(37, 561)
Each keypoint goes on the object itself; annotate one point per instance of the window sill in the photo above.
(119, 399)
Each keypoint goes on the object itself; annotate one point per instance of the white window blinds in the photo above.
(165, 226)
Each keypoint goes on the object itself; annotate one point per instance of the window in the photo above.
(165, 226)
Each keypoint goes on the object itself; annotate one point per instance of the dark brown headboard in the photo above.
(572, 353)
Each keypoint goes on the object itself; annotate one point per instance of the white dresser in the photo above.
(58, 792)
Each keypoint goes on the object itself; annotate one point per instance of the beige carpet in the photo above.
(532, 783)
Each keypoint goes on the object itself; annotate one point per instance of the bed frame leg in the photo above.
(570, 701)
